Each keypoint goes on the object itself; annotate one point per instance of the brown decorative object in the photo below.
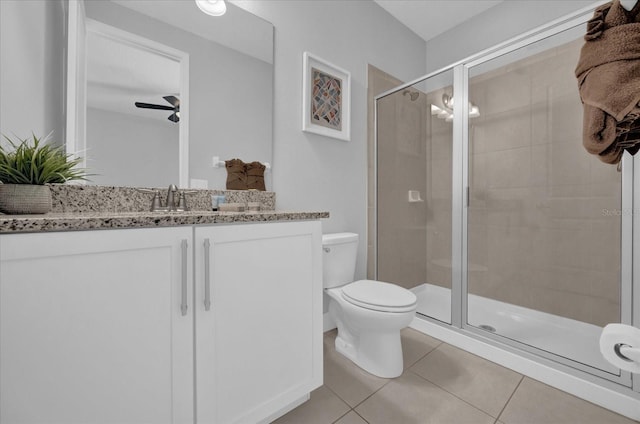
(24, 199)
(255, 176)
(608, 81)
(236, 174)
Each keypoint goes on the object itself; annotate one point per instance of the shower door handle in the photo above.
(207, 282)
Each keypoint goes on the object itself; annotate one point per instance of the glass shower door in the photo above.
(414, 192)
(544, 216)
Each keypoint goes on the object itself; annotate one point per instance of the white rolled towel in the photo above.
(620, 346)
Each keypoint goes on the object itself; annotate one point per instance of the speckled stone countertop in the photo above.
(111, 220)
(89, 198)
(86, 207)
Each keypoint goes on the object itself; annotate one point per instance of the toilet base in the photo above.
(369, 338)
(379, 354)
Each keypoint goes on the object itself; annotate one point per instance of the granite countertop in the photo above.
(109, 220)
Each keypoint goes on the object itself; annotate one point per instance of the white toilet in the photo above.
(369, 314)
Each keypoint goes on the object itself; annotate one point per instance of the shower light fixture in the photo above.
(441, 113)
(447, 101)
(446, 113)
(212, 7)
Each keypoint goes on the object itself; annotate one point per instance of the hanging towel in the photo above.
(255, 176)
(608, 73)
(236, 174)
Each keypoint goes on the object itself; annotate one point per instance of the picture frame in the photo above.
(326, 98)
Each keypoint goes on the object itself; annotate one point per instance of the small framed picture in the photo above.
(326, 98)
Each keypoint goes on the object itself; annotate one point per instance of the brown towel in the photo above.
(608, 73)
(255, 176)
(236, 174)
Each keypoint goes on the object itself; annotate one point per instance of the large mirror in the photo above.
(160, 89)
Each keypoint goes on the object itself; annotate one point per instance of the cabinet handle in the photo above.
(207, 284)
(183, 302)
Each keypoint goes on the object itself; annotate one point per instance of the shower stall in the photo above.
(490, 210)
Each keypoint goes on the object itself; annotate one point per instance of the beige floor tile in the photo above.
(351, 418)
(537, 403)
(410, 399)
(331, 333)
(346, 379)
(482, 383)
(324, 407)
(415, 345)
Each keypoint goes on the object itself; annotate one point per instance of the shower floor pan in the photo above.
(571, 339)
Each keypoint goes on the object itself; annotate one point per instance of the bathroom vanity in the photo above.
(172, 318)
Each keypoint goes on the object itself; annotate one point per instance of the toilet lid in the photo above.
(379, 296)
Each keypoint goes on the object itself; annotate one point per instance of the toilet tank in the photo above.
(339, 252)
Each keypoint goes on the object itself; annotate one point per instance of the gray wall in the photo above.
(145, 148)
(230, 93)
(32, 59)
(496, 25)
(312, 172)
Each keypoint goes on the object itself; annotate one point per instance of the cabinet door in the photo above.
(259, 343)
(92, 329)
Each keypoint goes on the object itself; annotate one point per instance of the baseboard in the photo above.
(627, 404)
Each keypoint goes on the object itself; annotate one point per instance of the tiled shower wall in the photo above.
(402, 155)
(543, 221)
(414, 153)
(439, 139)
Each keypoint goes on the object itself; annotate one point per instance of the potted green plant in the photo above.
(26, 167)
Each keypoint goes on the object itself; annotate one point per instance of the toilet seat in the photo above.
(379, 296)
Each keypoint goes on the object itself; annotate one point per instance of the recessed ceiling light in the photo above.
(212, 7)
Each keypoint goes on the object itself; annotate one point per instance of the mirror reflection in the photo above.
(131, 139)
(156, 54)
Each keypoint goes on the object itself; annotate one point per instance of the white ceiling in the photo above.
(429, 18)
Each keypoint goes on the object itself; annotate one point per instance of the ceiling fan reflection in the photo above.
(175, 107)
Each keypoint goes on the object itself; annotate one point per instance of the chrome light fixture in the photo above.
(212, 7)
(446, 113)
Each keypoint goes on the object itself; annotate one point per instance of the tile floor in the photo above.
(440, 384)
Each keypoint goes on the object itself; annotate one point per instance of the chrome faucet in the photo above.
(156, 202)
(175, 201)
(171, 197)
(181, 202)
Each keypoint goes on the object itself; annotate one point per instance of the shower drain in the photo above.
(487, 328)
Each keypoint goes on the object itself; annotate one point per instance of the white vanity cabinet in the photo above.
(92, 329)
(258, 319)
(111, 326)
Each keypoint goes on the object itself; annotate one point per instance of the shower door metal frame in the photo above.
(630, 234)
